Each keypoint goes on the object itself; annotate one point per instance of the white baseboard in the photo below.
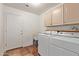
(1, 53)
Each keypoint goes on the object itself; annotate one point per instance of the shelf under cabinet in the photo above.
(66, 24)
(64, 30)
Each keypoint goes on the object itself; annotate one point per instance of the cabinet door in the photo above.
(71, 13)
(47, 18)
(57, 51)
(57, 15)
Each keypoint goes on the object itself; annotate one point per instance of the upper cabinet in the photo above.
(47, 18)
(57, 15)
(67, 13)
(71, 13)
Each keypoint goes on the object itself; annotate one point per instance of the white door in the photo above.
(14, 31)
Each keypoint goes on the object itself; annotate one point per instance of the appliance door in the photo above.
(66, 46)
(43, 45)
(57, 51)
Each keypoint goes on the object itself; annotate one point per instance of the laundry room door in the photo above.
(13, 31)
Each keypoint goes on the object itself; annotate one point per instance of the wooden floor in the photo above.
(25, 51)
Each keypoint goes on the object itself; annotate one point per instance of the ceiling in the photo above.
(33, 9)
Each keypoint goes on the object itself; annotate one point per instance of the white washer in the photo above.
(43, 44)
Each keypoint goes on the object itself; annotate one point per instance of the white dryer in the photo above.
(64, 44)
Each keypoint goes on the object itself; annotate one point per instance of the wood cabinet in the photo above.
(47, 18)
(71, 13)
(67, 13)
(57, 15)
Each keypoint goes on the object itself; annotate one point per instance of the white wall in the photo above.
(42, 25)
(31, 23)
(1, 29)
(1, 18)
